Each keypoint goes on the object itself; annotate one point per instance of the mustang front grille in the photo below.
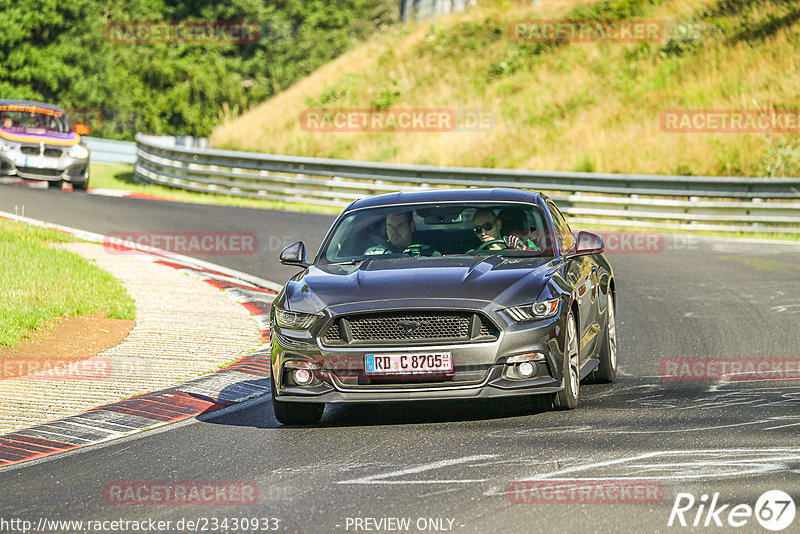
(424, 327)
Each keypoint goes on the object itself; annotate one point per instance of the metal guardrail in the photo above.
(111, 151)
(692, 202)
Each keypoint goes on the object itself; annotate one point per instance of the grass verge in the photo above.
(39, 283)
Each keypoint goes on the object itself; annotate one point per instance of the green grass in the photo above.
(120, 176)
(39, 283)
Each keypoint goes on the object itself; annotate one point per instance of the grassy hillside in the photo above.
(566, 106)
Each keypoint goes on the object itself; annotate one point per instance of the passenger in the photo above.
(488, 228)
(515, 223)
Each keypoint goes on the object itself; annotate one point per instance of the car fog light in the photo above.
(303, 377)
(526, 369)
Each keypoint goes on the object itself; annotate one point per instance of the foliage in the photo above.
(58, 52)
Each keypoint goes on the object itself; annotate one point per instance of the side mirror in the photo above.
(589, 243)
(81, 129)
(294, 254)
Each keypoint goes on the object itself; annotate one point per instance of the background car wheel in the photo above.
(568, 398)
(81, 186)
(296, 413)
(606, 372)
(56, 184)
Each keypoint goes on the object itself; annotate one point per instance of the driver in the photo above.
(400, 229)
(488, 228)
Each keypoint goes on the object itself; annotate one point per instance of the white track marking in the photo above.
(700, 464)
(381, 478)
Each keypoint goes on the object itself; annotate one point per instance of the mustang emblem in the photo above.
(409, 327)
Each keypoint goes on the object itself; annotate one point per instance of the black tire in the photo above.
(567, 399)
(54, 184)
(83, 186)
(296, 413)
(542, 402)
(606, 371)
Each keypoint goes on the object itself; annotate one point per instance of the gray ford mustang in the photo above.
(446, 294)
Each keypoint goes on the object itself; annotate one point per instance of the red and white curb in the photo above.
(246, 378)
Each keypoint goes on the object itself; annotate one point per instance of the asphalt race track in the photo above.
(456, 466)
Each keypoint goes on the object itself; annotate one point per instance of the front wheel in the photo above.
(82, 186)
(567, 399)
(296, 413)
(606, 371)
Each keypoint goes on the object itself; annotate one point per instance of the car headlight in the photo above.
(538, 310)
(296, 320)
(78, 152)
(5, 145)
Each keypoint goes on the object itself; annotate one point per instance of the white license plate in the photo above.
(413, 363)
(38, 162)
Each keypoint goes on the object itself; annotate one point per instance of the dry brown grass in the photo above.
(574, 107)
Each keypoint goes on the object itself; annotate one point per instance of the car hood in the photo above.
(503, 280)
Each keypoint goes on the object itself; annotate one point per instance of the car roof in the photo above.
(448, 195)
(12, 102)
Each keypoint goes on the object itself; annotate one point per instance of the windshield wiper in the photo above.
(350, 262)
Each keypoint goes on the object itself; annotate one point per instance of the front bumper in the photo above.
(480, 369)
(15, 163)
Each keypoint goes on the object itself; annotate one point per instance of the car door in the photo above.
(581, 272)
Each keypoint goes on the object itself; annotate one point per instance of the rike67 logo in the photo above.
(774, 510)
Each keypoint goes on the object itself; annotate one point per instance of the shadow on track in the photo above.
(260, 415)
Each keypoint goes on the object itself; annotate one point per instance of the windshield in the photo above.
(433, 230)
(33, 120)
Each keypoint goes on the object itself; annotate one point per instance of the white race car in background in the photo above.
(37, 142)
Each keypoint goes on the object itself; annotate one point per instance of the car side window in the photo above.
(563, 231)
